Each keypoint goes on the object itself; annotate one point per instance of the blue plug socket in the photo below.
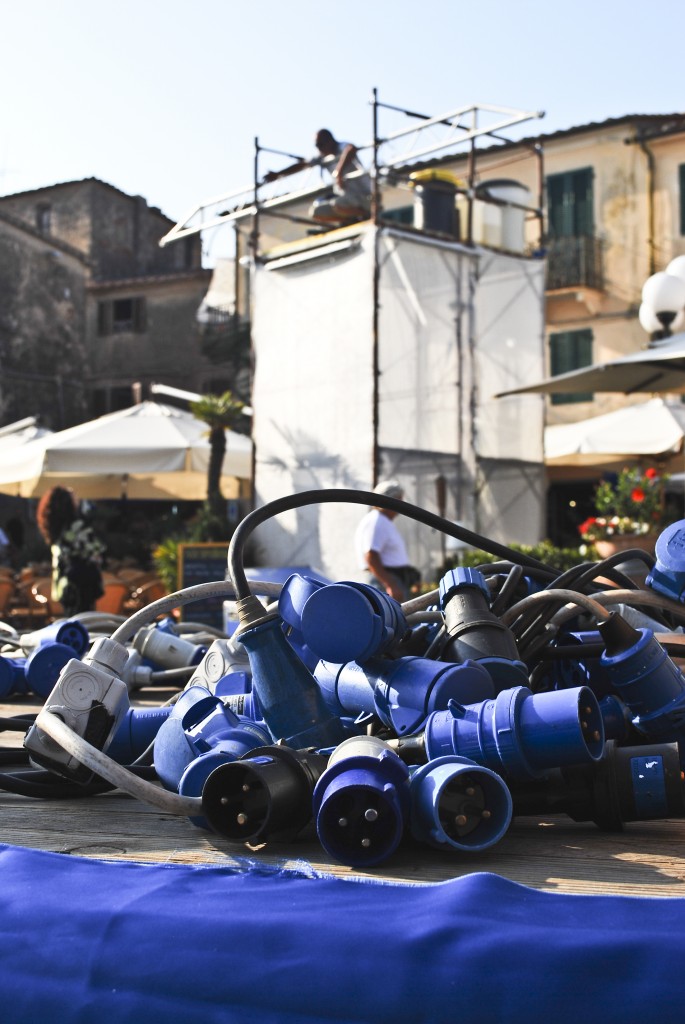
(645, 678)
(199, 735)
(70, 632)
(401, 692)
(44, 664)
(196, 724)
(520, 734)
(12, 678)
(37, 673)
(361, 802)
(342, 622)
(136, 731)
(288, 695)
(459, 804)
(668, 575)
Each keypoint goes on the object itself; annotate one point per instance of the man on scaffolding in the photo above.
(350, 199)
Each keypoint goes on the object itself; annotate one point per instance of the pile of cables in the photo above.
(512, 689)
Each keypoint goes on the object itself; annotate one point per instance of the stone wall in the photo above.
(92, 304)
(42, 323)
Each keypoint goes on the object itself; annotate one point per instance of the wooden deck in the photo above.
(554, 853)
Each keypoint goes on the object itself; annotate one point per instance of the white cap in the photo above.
(390, 488)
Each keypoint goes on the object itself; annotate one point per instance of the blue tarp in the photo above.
(84, 940)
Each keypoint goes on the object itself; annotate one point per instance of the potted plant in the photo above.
(629, 512)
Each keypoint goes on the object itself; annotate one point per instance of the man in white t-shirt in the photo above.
(380, 547)
(351, 196)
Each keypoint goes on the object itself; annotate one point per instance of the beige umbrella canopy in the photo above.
(656, 427)
(146, 451)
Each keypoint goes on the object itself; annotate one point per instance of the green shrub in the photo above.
(165, 560)
(545, 551)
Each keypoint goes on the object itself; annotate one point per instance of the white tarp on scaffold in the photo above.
(453, 326)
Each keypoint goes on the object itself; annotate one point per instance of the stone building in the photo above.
(612, 199)
(91, 304)
(599, 207)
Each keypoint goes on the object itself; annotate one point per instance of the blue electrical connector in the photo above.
(342, 622)
(199, 735)
(288, 695)
(361, 802)
(668, 574)
(401, 692)
(136, 731)
(645, 678)
(70, 632)
(518, 734)
(36, 673)
(458, 804)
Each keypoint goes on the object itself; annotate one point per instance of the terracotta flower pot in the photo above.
(626, 541)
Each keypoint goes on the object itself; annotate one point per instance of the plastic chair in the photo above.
(116, 593)
(7, 590)
(41, 603)
(147, 592)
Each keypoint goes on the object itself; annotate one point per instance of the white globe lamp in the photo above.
(676, 268)
(665, 295)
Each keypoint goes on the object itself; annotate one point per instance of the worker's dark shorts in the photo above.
(407, 575)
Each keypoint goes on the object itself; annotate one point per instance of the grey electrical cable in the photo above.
(634, 597)
(112, 771)
(418, 604)
(424, 616)
(201, 591)
(590, 604)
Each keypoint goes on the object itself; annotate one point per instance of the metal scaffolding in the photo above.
(392, 157)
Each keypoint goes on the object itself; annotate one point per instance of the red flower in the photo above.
(637, 495)
(587, 525)
(651, 473)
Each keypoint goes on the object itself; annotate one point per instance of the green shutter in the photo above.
(139, 315)
(570, 350)
(105, 317)
(570, 203)
(681, 185)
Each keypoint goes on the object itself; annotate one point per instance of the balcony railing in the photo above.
(575, 261)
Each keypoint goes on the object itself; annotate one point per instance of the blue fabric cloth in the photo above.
(84, 940)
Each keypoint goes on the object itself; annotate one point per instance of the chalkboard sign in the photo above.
(202, 563)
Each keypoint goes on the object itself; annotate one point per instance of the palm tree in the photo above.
(220, 413)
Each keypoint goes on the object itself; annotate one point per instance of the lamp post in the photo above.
(662, 310)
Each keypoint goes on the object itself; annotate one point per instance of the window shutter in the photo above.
(570, 203)
(105, 318)
(570, 350)
(139, 315)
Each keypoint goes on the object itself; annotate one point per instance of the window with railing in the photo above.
(574, 261)
(574, 253)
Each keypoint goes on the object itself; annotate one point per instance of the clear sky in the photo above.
(164, 98)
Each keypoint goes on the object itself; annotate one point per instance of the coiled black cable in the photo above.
(349, 496)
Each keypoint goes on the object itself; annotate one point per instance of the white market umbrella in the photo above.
(146, 451)
(658, 368)
(20, 432)
(656, 427)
